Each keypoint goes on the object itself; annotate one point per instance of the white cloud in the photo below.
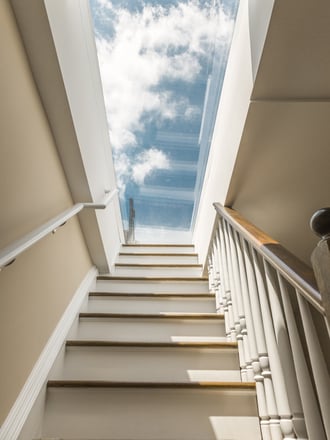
(148, 161)
(148, 47)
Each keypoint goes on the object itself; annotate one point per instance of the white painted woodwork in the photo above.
(95, 353)
(175, 249)
(152, 286)
(151, 364)
(148, 329)
(151, 414)
(129, 304)
(157, 271)
(141, 258)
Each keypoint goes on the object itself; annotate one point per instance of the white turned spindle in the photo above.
(306, 391)
(257, 342)
(281, 356)
(251, 350)
(226, 270)
(237, 302)
(319, 368)
(228, 312)
(267, 367)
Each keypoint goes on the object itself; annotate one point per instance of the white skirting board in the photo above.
(17, 416)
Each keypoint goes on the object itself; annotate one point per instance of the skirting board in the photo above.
(17, 416)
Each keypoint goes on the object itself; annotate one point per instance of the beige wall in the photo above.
(35, 290)
(281, 176)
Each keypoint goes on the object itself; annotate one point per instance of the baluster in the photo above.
(319, 368)
(229, 288)
(281, 355)
(228, 309)
(237, 308)
(258, 346)
(306, 391)
(248, 332)
(219, 296)
(268, 365)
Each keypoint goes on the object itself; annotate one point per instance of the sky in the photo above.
(162, 65)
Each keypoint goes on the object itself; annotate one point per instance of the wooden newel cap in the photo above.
(320, 222)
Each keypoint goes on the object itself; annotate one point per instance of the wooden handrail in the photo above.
(288, 265)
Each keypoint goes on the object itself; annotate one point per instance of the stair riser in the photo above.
(145, 271)
(157, 259)
(150, 414)
(161, 330)
(158, 249)
(150, 305)
(164, 364)
(150, 286)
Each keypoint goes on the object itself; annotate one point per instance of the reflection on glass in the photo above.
(162, 65)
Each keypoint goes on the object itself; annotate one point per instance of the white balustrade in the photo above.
(267, 306)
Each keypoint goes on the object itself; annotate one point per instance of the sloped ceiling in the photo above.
(282, 173)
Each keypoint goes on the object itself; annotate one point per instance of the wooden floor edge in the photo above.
(138, 344)
(164, 279)
(157, 254)
(153, 295)
(168, 385)
(190, 316)
(137, 245)
(160, 265)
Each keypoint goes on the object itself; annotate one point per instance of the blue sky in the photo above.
(162, 65)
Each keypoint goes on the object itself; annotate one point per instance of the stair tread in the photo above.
(157, 245)
(146, 344)
(157, 254)
(153, 295)
(167, 315)
(159, 265)
(127, 384)
(150, 278)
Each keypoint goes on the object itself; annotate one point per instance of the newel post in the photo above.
(320, 224)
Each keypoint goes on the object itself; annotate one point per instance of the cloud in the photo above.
(138, 167)
(148, 161)
(147, 47)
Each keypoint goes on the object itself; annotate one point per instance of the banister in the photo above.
(290, 267)
(10, 252)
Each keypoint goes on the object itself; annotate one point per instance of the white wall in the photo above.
(234, 103)
(71, 26)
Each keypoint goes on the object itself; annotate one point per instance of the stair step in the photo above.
(149, 328)
(146, 344)
(145, 316)
(158, 270)
(158, 248)
(159, 258)
(151, 285)
(157, 412)
(150, 303)
(166, 362)
(230, 386)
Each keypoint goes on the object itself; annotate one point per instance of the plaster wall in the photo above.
(35, 290)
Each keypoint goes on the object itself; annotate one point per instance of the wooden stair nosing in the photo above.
(156, 254)
(210, 316)
(163, 279)
(147, 344)
(167, 385)
(153, 295)
(137, 245)
(160, 266)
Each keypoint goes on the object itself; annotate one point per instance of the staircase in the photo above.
(150, 360)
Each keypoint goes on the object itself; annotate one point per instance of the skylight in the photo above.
(162, 65)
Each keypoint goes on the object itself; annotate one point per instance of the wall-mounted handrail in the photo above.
(294, 270)
(10, 252)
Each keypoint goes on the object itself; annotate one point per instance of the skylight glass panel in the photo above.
(162, 65)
